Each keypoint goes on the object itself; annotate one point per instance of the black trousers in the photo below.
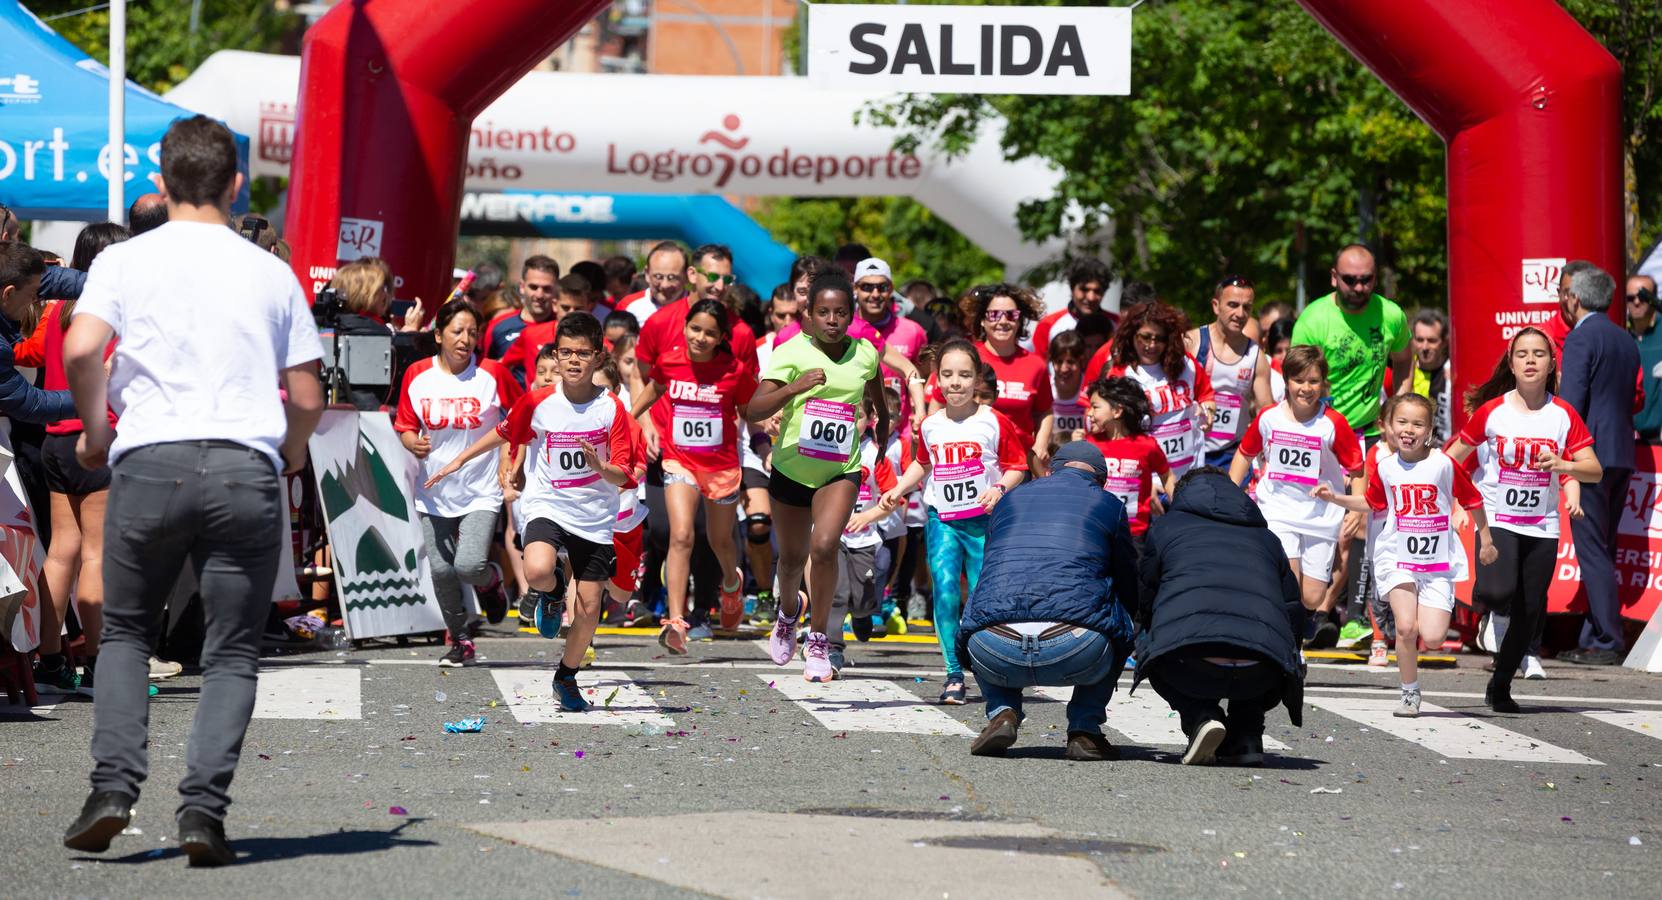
(1595, 543)
(1196, 688)
(1515, 584)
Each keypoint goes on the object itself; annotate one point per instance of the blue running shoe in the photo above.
(550, 610)
(570, 696)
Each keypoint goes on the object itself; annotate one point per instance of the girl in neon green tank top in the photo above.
(817, 379)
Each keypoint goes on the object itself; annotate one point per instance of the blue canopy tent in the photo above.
(54, 125)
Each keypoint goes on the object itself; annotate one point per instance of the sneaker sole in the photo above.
(96, 837)
(1203, 749)
(1405, 714)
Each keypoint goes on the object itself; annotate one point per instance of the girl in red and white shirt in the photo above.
(1135, 462)
(1298, 445)
(448, 402)
(1417, 555)
(706, 384)
(998, 315)
(1534, 442)
(1067, 374)
(1148, 349)
(969, 456)
(581, 456)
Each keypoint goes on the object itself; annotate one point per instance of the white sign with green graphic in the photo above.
(366, 481)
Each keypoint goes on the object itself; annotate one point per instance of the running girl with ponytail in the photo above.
(706, 384)
(969, 455)
(1136, 463)
(446, 404)
(1533, 442)
(817, 380)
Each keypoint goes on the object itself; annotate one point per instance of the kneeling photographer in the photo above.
(356, 305)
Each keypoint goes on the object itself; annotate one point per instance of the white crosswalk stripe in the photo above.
(1144, 719)
(1647, 722)
(310, 692)
(530, 695)
(866, 704)
(1449, 733)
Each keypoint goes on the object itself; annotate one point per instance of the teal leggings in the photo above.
(954, 549)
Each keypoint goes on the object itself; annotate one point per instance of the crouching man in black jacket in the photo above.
(1220, 620)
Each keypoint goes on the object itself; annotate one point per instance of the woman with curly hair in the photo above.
(1148, 349)
(997, 316)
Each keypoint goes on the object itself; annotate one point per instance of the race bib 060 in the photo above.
(827, 430)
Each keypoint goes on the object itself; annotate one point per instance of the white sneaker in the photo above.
(1491, 631)
(161, 669)
(1531, 668)
(1379, 656)
(1410, 708)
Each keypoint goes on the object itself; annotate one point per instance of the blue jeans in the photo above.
(1085, 659)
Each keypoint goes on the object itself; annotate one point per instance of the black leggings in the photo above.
(1516, 585)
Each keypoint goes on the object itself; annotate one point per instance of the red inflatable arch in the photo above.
(1529, 103)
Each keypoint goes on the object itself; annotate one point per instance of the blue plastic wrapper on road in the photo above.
(465, 726)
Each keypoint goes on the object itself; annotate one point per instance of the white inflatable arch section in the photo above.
(670, 134)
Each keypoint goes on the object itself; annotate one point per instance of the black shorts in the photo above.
(64, 473)
(787, 490)
(589, 561)
(752, 479)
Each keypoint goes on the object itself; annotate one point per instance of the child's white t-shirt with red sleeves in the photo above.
(1415, 502)
(1516, 496)
(454, 411)
(559, 485)
(966, 458)
(876, 479)
(1174, 409)
(631, 511)
(1293, 458)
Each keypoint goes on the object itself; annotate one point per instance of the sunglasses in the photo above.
(880, 287)
(1002, 315)
(1357, 280)
(1240, 281)
(713, 277)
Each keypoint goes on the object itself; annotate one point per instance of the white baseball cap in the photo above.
(872, 266)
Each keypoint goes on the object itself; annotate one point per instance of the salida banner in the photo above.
(970, 49)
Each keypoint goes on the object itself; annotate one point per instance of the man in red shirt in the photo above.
(1088, 279)
(537, 290)
(666, 282)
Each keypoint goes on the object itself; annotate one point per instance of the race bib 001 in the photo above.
(568, 467)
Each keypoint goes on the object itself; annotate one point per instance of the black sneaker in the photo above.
(1326, 636)
(58, 680)
(1248, 752)
(1499, 698)
(86, 687)
(461, 654)
(103, 816)
(493, 597)
(862, 627)
(528, 609)
(202, 837)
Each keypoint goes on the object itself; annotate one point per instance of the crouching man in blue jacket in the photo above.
(1221, 620)
(1054, 604)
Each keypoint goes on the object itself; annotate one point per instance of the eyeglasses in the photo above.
(881, 287)
(712, 276)
(579, 355)
(1002, 315)
(1357, 280)
(661, 278)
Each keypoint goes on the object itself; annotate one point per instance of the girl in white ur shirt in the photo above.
(1413, 562)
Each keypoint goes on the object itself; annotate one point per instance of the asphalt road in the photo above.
(719, 774)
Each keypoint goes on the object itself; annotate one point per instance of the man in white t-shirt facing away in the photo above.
(209, 328)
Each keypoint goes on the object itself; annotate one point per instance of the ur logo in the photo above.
(731, 123)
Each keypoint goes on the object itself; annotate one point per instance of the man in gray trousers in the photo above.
(210, 327)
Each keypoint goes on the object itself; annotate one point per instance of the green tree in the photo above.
(161, 48)
(1253, 143)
